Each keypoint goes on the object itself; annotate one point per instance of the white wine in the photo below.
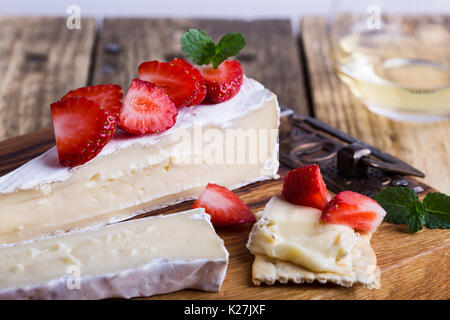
(403, 75)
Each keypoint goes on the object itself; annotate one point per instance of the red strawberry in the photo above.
(354, 210)
(224, 207)
(108, 96)
(200, 86)
(179, 83)
(146, 109)
(224, 82)
(304, 186)
(82, 129)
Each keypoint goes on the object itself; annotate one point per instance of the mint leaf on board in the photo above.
(404, 207)
(437, 210)
(228, 46)
(416, 217)
(197, 45)
(202, 49)
(395, 201)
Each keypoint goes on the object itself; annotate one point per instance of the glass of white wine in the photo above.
(394, 55)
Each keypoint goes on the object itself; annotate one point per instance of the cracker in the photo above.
(363, 260)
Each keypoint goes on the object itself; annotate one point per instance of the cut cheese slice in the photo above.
(141, 257)
(232, 144)
(291, 243)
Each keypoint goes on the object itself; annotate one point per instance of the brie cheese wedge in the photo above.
(140, 257)
(291, 243)
(233, 143)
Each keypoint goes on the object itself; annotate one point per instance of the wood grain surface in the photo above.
(40, 60)
(426, 146)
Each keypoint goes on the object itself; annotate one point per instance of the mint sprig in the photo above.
(438, 210)
(404, 207)
(197, 45)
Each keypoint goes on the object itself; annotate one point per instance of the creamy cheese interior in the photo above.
(296, 234)
(182, 237)
(142, 176)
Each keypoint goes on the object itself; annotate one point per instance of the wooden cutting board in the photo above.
(412, 266)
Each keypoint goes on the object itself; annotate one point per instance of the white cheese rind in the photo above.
(156, 277)
(46, 168)
(202, 269)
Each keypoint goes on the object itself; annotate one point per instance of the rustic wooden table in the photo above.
(40, 60)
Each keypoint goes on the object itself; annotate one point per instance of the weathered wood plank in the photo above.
(270, 55)
(424, 145)
(40, 60)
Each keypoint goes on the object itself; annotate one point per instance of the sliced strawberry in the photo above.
(224, 207)
(224, 82)
(354, 210)
(146, 109)
(304, 186)
(82, 129)
(178, 82)
(108, 96)
(200, 91)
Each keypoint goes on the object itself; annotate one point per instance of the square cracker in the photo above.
(363, 260)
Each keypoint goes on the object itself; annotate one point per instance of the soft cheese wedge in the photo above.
(232, 144)
(141, 257)
(291, 243)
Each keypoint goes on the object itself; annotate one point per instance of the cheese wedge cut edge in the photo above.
(202, 269)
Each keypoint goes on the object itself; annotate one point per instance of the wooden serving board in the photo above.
(412, 266)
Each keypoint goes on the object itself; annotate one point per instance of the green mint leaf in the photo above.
(416, 217)
(201, 48)
(197, 45)
(437, 207)
(228, 46)
(395, 200)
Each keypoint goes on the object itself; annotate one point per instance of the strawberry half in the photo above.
(146, 109)
(224, 82)
(224, 207)
(354, 210)
(179, 83)
(82, 128)
(304, 186)
(108, 96)
(200, 91)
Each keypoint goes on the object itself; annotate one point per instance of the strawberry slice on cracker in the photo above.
(354, 210)
(305, 186)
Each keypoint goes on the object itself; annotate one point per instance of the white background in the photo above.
(244, 9)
